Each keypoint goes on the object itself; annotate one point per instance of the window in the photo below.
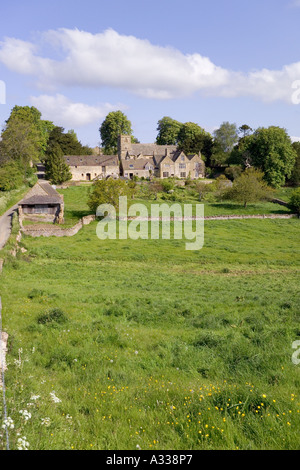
(130, 166)
(167, 165)
(182, 158)
(103, 169)
(182, 175)
(166, 174)
(182, 166)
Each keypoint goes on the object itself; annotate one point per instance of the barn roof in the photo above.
(42, 193)
(91, 160)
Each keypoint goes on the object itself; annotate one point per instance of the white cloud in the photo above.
(113, 60)
(295, 139)
(68, 114)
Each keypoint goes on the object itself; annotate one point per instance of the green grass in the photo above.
(153, 346)
(10, 198)
(75, 198)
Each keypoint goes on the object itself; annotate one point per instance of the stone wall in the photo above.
(80, 173)
(56, 231)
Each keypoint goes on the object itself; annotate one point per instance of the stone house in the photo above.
(42, 202)
(92, 167)
(146, 160)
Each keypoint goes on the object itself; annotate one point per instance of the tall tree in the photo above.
(56, 169)
(245, 130)
(168, 131)
(226, 136)
(193, 139)
(115, 124)
(33, 116)
(270, 149)
(20, 142)
(67, 141)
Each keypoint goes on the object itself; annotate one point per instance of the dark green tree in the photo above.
(270, 150)
(193, 139)
(245, 130)
(56, 169)
(295, 176)
(295, 201)
(168, 131)
(67, 141)
(115, 124)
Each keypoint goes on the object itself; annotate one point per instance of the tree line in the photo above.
(26, 140)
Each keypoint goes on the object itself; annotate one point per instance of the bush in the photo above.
(10, 177)
(233, 172)
(167, 185)
(295, 201)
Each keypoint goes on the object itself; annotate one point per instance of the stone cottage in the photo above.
(161, 161)
(42, 202)
(92, 167)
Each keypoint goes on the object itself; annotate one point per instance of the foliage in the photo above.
(168, 184)
(56, 169)
(107, 192)
(67, 142)
(295, 176)
(115, 124)
(194, 139)
(40, 129)
(295, 200)
(224, 140)
(226, 136)
(233, 171)
(249, 187)
(245, 130)
(168, 131)
(270, 150)
(11, 177)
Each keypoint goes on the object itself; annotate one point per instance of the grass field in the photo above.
(75, 198)
(141, 344)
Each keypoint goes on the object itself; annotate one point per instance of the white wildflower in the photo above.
(55, 399)
(26, 415)
(35, 397)
(8, 423)
(46, 422)
(22, 443)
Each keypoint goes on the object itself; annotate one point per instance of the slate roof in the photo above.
(152, 149)
(91, 160)
(138, 164)
(46, 195)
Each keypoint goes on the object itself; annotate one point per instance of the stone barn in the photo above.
(43, 203)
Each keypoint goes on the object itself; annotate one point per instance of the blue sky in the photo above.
(193, 60)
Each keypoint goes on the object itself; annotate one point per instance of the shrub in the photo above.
(295, 201)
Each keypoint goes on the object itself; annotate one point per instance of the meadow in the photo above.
(124, 344)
